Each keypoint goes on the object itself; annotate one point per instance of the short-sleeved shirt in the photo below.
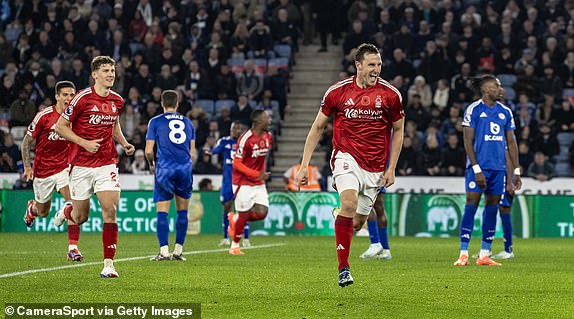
(51, 149)
(363, 120)
(226, 146)
(172, 133)
(93, 117)
(490, 125)
(252, 149)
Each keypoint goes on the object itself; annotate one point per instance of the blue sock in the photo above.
(466, 225)
(225, 225)
(384, 238)
(488, 226)
(507, 232)
(162, 228)
(373, 231)
(181, 226)
(246, 231)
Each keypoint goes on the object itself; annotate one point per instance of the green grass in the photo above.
(298, 280)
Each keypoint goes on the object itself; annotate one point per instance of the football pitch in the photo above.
(296, 277)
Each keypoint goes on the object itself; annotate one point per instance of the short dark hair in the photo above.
(479, 81)
(255, 114)
(169, 98)
(237, 122)
(365, 48)
(64, 84)
(100, 60)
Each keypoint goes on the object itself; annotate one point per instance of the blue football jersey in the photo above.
(172, 133)
(226, 146)
(490, 125)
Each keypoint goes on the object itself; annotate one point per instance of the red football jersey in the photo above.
(51, 149)
(252, 149)
(363, 120)
(93, 117)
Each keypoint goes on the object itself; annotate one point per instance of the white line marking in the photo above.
(32, 271)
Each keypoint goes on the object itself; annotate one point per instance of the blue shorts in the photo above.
(226, 193)
(169, 181)
(495, 181)
(506, 200)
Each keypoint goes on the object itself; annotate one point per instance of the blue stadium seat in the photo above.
(260, 66)
(565, 138)
(568, 92)
(207, 105)
(236, 64)
(509, 93)
(507, 80)
(563, 169)
(223, 103)
(281, 63)
(283, 50)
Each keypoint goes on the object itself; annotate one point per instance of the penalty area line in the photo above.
(210, 251)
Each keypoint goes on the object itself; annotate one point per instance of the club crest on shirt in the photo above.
(114, 109)
(69, 110)
(378, 102)
(501, 116)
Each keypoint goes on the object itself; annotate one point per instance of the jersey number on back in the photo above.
(176, 133)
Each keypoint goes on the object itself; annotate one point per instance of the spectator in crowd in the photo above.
(129, 121)
(528, 83)
(276, 83)
(249, 82)
(545, 142)
(224, 121)
(417, 113)
(140, 165)
(205, 185)
(10, 154)
(541, 169)
(566, 71)
(525, 156)
(407, 162)
(225, 83)
(22, 110)
(260, 41)
(551, 83)
(422, 89)
(429, 160)
(546, 114)
(565, 117)
(453, 157)
(204, 166)
(399, 66)
(441, 95)
(241, 111)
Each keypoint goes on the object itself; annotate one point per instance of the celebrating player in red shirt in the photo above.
(249, 176)
(93, 114)
(50, 171)
(366, 109)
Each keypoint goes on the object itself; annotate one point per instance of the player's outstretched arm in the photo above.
(64, 130)
(26, 145)
(119, 137)
(313, 137)
(396, 147)
(149, 155)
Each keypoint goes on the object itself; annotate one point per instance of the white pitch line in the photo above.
(32, 271)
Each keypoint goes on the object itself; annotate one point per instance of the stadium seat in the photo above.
(563, 169)
(207, 105)
(568, 93)
(223, 103)
(507, 80)
(253, 104)
(283, 50)
(281, 63)
(18, 132)
(260, 66)
(509, 93)
(565, 139)
(236, 64)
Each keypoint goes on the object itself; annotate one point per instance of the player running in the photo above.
(227, 146)
(377, 226)
(174, 135)
(51, 170)
(488, 131)
(249, 176)
(93, 116)
(366, 110)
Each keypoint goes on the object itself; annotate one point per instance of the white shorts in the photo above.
(45, 187)
(246, 196)
(85, 181)
(347, 174)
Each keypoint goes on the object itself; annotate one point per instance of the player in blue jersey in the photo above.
(227, 146)
(174, 135)
(377, 226)
(488, 131)
(504, 209)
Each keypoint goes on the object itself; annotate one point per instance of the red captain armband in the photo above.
(238, 165)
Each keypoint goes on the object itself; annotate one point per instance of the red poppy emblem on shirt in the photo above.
(105, 108)
(365, 100)
(261, 143)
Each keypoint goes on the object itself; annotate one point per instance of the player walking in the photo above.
(93, 115)
(174, 135)
(366, 109)
(249, 176)
(51, 170)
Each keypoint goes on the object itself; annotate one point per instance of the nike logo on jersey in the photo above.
(483, 114)
(95, 109)
(349, 102)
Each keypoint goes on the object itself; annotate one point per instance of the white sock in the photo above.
(463, 252)
(164, 250)
(178, 249)
(234, 245)
(108, 262)
(72, 247)
(386, 251)
(484, 252)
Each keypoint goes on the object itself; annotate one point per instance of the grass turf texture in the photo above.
(298, 280)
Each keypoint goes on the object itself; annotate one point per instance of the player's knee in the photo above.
(80, 219)
(348, 207)
(109, 214)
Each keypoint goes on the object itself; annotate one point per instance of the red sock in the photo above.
(242, 218)
(253, 216)
(110, 239)
(73, 234)
(343, 237)
(68, 212)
